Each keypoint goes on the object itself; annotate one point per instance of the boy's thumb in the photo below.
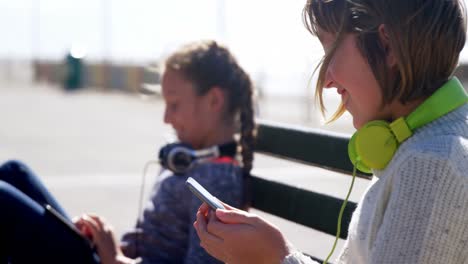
(232, 217)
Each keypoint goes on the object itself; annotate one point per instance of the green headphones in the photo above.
(374, 145)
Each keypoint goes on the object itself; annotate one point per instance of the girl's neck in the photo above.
(221, 135)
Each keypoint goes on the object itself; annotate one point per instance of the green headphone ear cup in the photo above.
(375, 144)
(353, 156)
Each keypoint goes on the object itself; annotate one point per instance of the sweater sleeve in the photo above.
(426, 217)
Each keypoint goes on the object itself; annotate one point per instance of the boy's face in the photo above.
(188, 113)
(350, 73)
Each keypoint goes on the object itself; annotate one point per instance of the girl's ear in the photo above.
(385, 40)
(216, 99)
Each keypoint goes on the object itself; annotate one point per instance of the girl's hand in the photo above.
(102, 235)
(235, 236)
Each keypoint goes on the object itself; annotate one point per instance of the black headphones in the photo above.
(181, 157)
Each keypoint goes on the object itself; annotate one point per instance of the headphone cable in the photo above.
(142, 186)
(140, 201)
(340, 216)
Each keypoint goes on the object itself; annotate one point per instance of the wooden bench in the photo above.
(308, 146)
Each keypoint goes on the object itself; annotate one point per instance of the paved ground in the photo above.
(90, 148)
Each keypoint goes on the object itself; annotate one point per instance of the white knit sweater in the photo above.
(416, 210)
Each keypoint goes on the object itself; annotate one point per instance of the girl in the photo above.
(390, 61)
(206, 92)
(208, 99)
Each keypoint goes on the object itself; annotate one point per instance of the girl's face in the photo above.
(189, 114)
(350, 73)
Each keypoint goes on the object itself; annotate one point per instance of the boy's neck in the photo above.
(400, 110)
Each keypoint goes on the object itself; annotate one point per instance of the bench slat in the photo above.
(311, 209)
(311, 146)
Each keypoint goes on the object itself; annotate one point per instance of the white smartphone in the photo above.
(203, 194)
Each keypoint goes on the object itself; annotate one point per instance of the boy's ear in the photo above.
(385, 40)
(217, 99)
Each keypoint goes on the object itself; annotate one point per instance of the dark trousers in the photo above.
(28, 232)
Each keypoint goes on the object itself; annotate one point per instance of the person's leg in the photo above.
(29, 234)
(22, 178)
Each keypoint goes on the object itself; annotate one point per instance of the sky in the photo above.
(267, 36)
(142, 29)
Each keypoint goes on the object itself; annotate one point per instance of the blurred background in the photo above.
(79, 101)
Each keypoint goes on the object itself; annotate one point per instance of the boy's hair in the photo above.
(207, 64)
(426, 37)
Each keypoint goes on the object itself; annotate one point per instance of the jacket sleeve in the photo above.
(160, 235)
(225, 183)
(165, 234)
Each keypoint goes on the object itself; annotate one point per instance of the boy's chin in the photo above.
(358, 123)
